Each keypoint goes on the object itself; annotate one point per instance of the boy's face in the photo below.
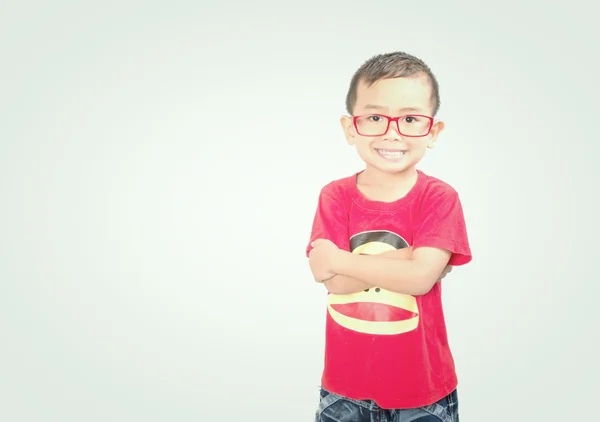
(391, 151)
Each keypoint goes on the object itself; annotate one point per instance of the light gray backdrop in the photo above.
(159, 169)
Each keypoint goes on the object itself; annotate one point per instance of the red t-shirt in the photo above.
(380, 345)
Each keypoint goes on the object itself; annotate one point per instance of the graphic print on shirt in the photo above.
(375, 310)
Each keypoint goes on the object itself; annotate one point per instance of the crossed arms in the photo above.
(405, 270)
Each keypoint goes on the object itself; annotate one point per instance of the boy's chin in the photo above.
(391, 167)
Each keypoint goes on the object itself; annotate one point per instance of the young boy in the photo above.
(382, 239)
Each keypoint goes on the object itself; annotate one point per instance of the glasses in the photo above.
(411, 125)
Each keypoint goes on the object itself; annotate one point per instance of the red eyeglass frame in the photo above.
(391, 119)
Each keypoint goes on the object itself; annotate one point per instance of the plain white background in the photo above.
(159, 170)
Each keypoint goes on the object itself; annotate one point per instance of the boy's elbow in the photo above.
(416, 282)
(423, 284)
(424, 287)
(418, 286)
(333, 286)
(426, 276)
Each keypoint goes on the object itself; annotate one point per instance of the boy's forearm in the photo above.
(342, 284)
(396, 275)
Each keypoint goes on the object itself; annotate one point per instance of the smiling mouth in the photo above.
(391, 153)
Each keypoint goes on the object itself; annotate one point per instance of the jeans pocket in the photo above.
(446, 409)
(326, 399)
(335, 408)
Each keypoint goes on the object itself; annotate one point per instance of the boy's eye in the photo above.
(375, 118)
(411, 119)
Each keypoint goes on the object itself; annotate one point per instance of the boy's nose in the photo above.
(392, 133)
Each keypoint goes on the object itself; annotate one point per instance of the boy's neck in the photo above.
(384, 186)
(385, 180)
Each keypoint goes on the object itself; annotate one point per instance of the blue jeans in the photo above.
(335, 408)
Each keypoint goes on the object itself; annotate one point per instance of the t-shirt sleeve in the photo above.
(330, 220)
(441, 224)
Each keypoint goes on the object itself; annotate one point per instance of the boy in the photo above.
(382, 239)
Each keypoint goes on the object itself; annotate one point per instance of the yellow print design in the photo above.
(375, 310)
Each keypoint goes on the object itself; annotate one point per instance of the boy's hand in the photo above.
(321, 259)
(447, 270)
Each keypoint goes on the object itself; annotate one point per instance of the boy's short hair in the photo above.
(392, 65)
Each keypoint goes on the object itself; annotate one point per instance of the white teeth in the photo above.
(391, 154)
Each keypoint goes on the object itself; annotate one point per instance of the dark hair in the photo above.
(392, 65)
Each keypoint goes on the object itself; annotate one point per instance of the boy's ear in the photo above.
(348, 128)
(435, 131)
